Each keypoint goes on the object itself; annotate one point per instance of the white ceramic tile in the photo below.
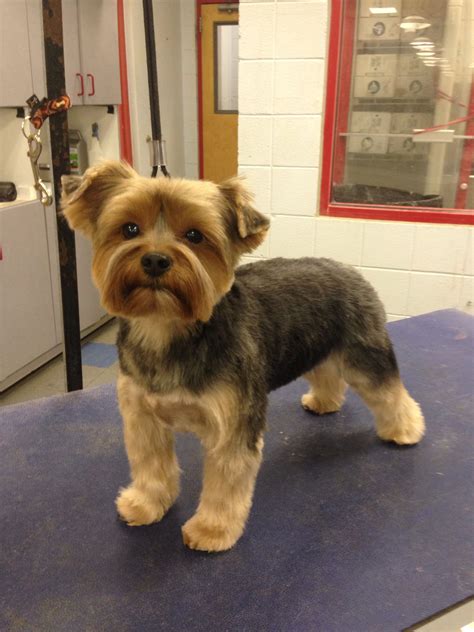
(339, 239)
(256, 30)
(294, 191)
(258, 180)
(291, 236)
(392, 286)
(298, 86)
(440, 248)
(255, 134)
(388, 245)
(296, 141)
(300, 29)
(255, 87)
(429, 292)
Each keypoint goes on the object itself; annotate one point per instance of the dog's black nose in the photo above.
(154, 263)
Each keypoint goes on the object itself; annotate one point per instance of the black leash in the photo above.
(157, 144)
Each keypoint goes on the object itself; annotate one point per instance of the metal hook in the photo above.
(35, 148)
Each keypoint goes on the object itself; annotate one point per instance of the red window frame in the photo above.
(339, 69)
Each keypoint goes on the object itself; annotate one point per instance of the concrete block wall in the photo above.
(415, 267)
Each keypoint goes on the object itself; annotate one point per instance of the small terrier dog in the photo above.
(201, 342)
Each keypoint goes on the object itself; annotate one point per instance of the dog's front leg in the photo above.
(153, 464)
(229, 480)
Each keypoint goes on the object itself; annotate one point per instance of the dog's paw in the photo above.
(315, 405)
(203, 536)
(408, 427)
(136, 508)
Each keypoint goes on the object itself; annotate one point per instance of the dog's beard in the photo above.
(184, 292)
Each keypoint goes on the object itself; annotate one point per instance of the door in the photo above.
(219, 83)
(16, 83)
(75, 80)
(98, 36)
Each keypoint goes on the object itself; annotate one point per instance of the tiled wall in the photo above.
(416, 268)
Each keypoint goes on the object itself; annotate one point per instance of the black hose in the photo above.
(150, 44)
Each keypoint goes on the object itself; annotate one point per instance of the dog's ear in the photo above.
(83, 196)
(249, 225)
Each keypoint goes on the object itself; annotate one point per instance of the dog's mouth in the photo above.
(155, 287)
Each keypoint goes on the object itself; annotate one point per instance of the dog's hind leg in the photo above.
(326, 394)
(372, 372)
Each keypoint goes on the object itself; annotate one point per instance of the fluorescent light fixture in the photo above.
(414, 23)
(383, 11)
(425, 54)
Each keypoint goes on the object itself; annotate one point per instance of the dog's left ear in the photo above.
(84, 196)
(250, 226)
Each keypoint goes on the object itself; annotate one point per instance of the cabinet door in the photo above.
(98, 36)
(16, 83)
(27, 327)
(75, 78)
(36, 42)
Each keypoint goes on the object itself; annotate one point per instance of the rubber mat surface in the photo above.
(346, 532)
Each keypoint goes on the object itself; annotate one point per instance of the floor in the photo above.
(99, 357)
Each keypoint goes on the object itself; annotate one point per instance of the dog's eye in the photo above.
(194, 236)
(130, 230)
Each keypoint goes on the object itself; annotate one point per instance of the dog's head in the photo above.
(164, 247)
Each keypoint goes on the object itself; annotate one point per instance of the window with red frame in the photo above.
(399, 118)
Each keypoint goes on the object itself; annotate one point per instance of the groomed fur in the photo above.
(202, 344)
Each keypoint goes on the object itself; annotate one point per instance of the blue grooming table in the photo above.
(346, 532)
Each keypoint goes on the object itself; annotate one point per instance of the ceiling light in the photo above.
(383, 10)
(414, 23)
(425, 54)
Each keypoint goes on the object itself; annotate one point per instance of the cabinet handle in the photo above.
(78, 74)
(91, 77)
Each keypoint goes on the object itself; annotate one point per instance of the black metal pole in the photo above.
(152, 69)
(58, 125)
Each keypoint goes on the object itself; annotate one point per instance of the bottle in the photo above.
(95, 149)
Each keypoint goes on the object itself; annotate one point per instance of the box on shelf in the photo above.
(376, 65)
(405, 123)
(381, 28)
(420, 87)
(371, 123)
(374, 87)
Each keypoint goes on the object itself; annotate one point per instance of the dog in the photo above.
(202, 341)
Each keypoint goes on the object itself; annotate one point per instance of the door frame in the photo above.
(199, 4)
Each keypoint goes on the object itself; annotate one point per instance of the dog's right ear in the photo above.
(83, 196)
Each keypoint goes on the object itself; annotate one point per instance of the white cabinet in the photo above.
(27, 322)
(21, 72)
(91, 51)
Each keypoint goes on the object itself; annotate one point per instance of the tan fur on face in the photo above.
(112, 195)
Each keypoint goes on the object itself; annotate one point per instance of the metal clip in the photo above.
(157, 152)
(34, 152)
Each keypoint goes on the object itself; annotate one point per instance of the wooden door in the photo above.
(219, 64)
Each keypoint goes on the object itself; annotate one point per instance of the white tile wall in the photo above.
(256, 22)
(293, 191)
(296, 141)
(300, 30)
(291, 236)
(388, 245)
(297, 86)
(339, 239)
(256, 87)
(415, 268)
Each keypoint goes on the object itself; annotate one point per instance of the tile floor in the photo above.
(99, 357)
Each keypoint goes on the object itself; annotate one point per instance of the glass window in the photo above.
(405, 122)
(226, 47)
